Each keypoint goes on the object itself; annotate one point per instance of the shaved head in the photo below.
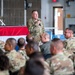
(45, 35)
(57, 43)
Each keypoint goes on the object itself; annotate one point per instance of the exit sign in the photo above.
(54, 0)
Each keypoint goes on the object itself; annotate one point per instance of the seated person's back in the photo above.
(4, 65)
(15, 58)
(34, 67)
(59, 63)
(38, 56)
(45, 47)
(21, 44)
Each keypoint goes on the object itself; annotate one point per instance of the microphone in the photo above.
(39, 24)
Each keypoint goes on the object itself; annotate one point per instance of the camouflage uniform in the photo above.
(69, 44)
(68, 53)
(2, 44)
(35, 29)
(46, 66)
(60, 65)
(23, 52)
(6, 72)
(16, 60)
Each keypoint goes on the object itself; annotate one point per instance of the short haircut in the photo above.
(29, 38)
(34, 45)
(36, 55)
(21, 42)
(31, 47)
(70, 30)
(33, 11)
(34, 67)
(11, 41)
(4, 63)
(57, 43)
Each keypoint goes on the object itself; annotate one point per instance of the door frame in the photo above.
(54, 16)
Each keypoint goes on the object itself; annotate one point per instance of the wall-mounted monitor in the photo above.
(72, 26)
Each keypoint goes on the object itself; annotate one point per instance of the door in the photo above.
(58, 20)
